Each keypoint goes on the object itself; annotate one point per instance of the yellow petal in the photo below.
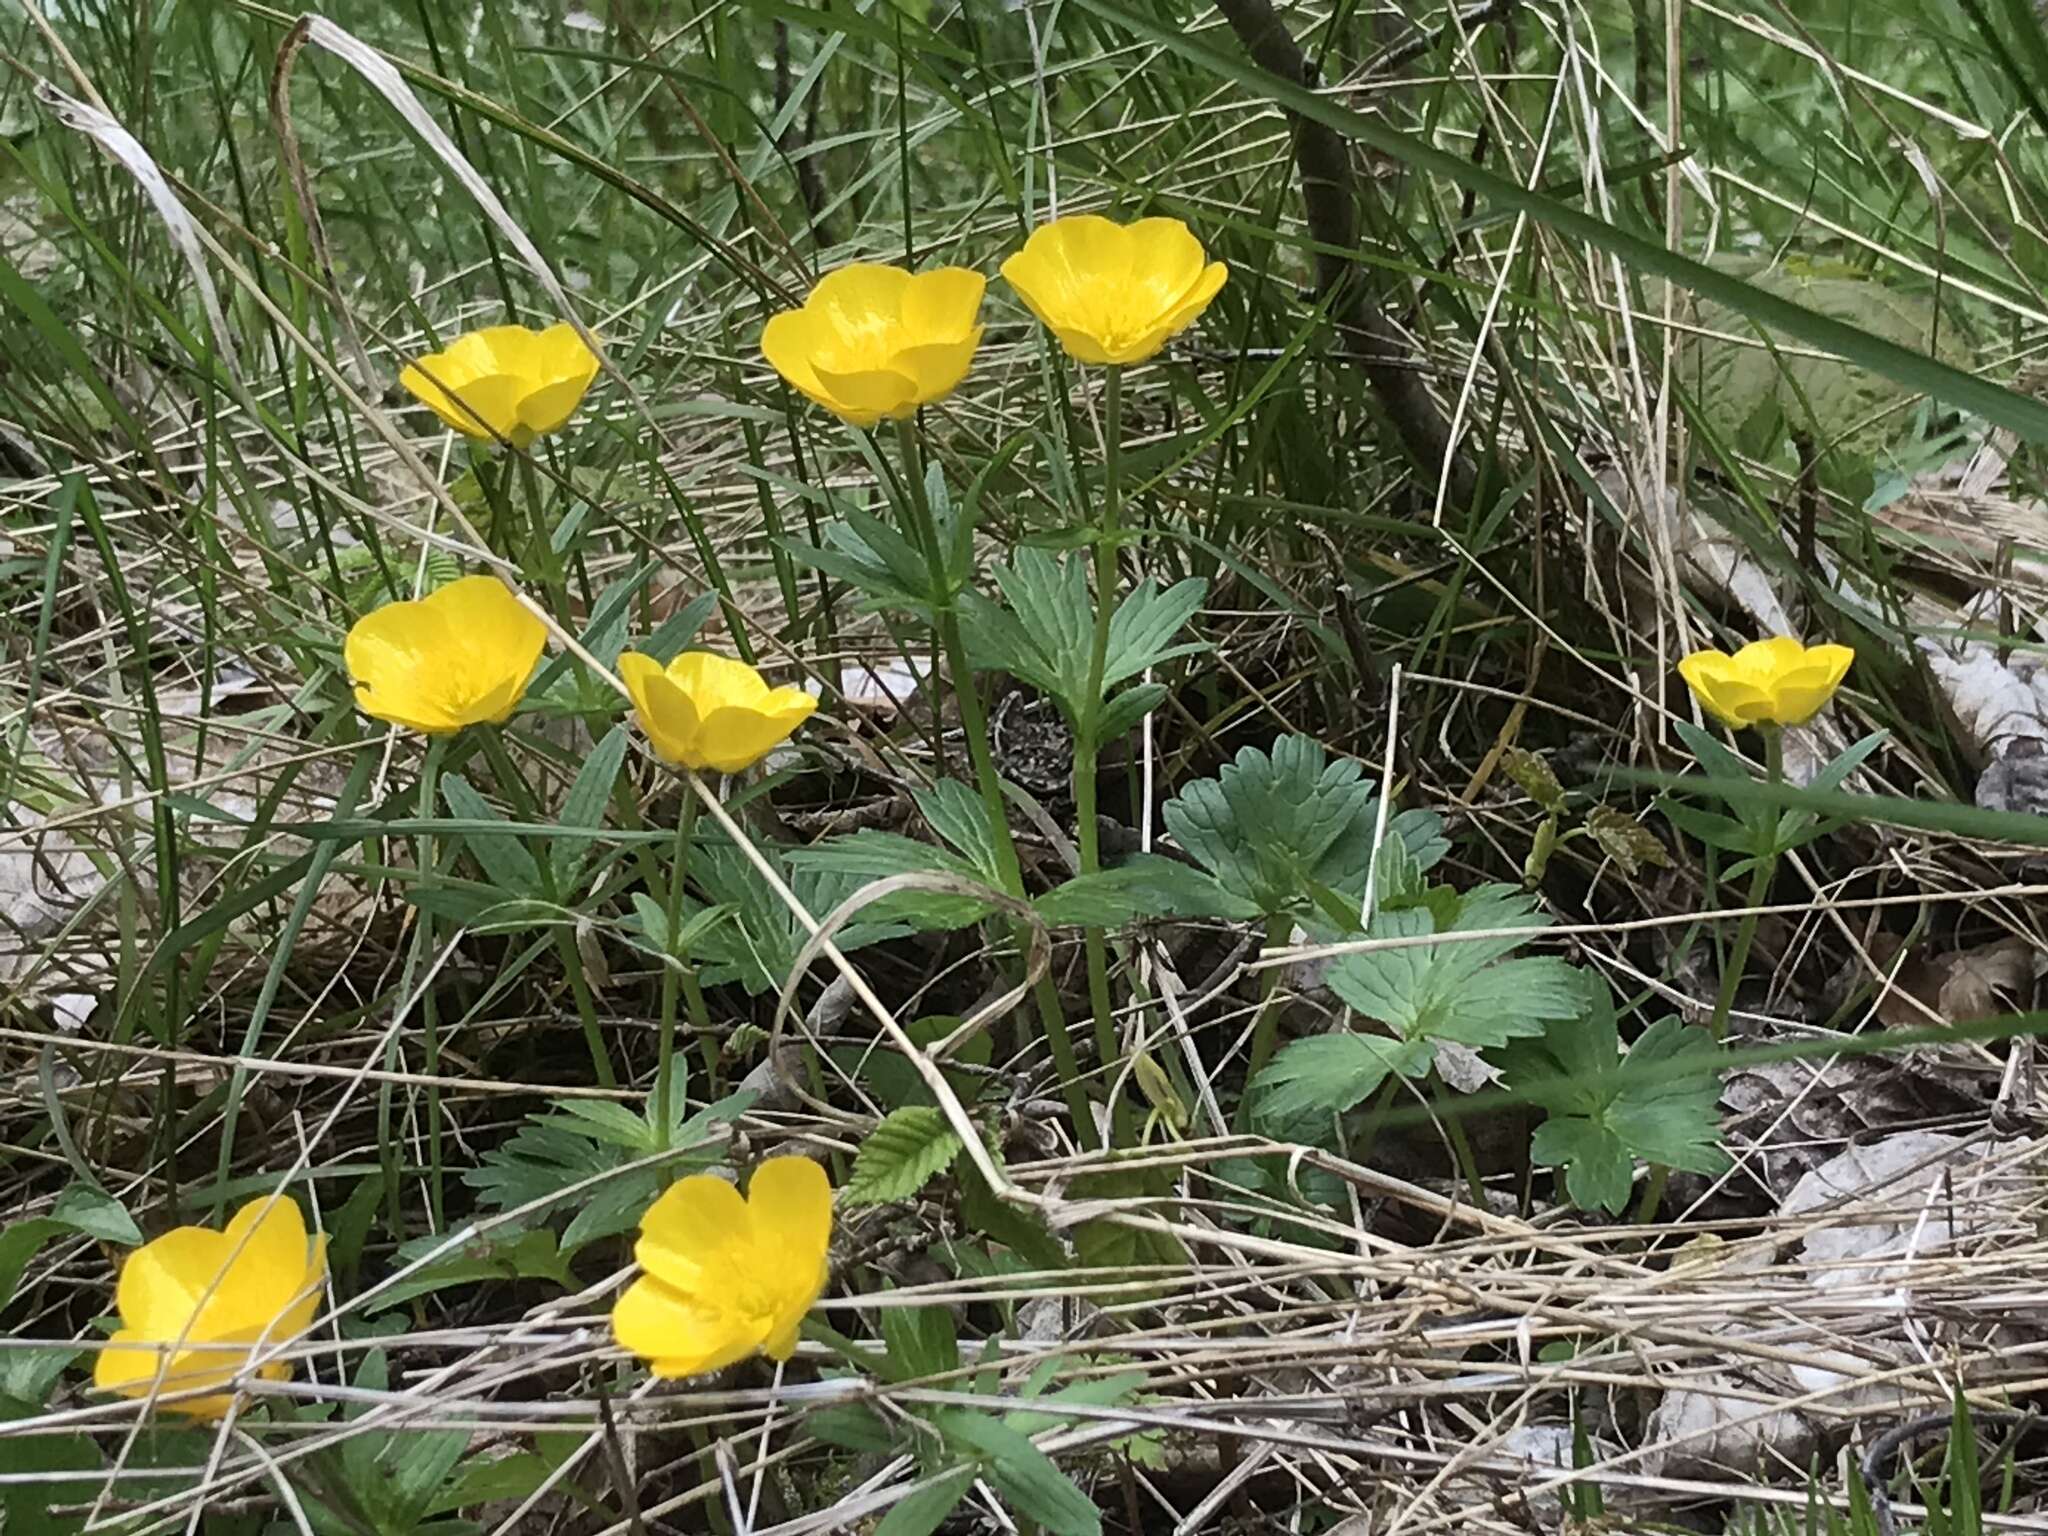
(860, 302)
(1196, 299)
(738, 737)
(1804, 690)
(698, 1237)
(679, 1334)
(713, 681)
(939, 307)
(865, 396)
(264, 1250)
(1762, 660)
(790, 341)
(664, 711)
(484, 408)
(861, 346)
(791, 1203)
(935, 370)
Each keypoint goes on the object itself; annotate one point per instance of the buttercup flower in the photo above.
(708, 711)
(461, 655)
(725, 1276)
(1114, 293)
(1767, 682)
(875, 341)
(196, 1303)
(506, 382)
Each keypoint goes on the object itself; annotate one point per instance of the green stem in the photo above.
(428, 857)
(676, 969)
(512, 784)
(1266, 1027)
(974, 724)
(1759, 891)
(1087, 742)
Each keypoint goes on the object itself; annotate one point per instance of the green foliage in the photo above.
(1758, 389)
(1658, 1100)
(911, 1147)
(561, 1153)
(955, 813)
(1269, 828)
(759, 939)
(1046, 635)
(1757, 829)
(1469, 992)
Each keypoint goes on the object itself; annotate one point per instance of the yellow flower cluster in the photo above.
(874, 342)
(724, 1277)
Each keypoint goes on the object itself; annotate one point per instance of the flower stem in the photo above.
(974, 725)
(673, 971)
(1765, 867)
(512, 784)
(1087, 736)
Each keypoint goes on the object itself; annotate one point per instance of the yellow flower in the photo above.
(1115, 293)
(725, 1276)
(506, 381)
(1767, 682)
(707, 711)
(876, 341)
(195, 1304)
(459, 656)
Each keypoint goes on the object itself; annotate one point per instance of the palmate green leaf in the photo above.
(1468, 992)
(1270, 826)
(760, 938)
(1146, 885)
(871, 855)
(911, 1147)
(1324, 1075)
(1658, 1102)
(1044, 631)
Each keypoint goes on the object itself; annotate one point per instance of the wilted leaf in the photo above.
(1625, 840)
(1534, 777)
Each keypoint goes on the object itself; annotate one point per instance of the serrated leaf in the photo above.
(1467, 991)
(1143, 886)
(1126, 709)
(1534, 777)
(1270, 826)
(956, 813)
(911, 1147)
(759, 938)
(1324, 1075)
(1625, 840)
(1024, 1475)
(1659, 1102)
(868, 855)
(1141, 630)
